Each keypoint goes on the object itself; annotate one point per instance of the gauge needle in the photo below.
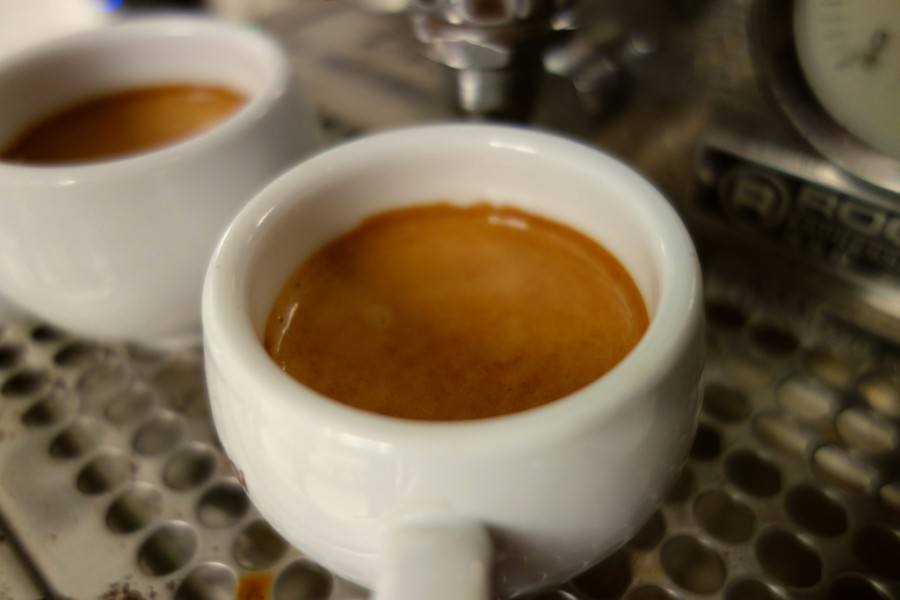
(870, 56)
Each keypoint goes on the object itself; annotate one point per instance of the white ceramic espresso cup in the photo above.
(117, 248)
(456, 510)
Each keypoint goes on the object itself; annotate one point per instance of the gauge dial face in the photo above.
(849, 51)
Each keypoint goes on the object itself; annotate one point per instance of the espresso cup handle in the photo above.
(435, 557)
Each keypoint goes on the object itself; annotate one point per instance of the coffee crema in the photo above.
(122, 123)
(446, 313)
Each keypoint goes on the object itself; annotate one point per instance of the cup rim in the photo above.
(276, 83)
(233, 349)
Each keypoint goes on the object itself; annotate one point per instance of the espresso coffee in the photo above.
(123, 123)
(446, 313)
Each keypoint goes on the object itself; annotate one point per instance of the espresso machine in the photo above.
(773, 126)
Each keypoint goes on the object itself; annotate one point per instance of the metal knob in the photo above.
(493, 48)
(486, 13)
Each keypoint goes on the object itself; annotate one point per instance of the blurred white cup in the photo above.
(117, 248)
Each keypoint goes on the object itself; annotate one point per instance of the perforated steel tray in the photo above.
(113, 485)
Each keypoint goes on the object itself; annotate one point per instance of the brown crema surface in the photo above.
(447, 313)
(123, 123)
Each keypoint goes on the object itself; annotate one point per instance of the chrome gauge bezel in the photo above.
(775, 54)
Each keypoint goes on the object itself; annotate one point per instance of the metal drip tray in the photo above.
(113, 485)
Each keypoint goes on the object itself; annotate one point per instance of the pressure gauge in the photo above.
(833, 66)
(849, 52)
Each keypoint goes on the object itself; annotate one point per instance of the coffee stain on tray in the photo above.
(255, 586)
(125, 591)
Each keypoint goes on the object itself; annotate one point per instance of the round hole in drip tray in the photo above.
(787, 559)
(24, 383)
(51, 409)
(752, 473)
(693, 565)
(170, 547)
(79, 438)
(815, 511)
(105, 472)
(222, 505)
(725, 403)
(9, 356)
(158, 435)
(725, 518)
(76, 355)
(130, 405)
(43, 334)
(209, 581)
(189, 467)
(854, 587)
(258, 546)
(303, 579)
(878, 548)
(134, 509)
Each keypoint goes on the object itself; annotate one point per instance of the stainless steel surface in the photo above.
(112, 483)
(599, 68)
(114, 487)
(701, 95)
(803, 223)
